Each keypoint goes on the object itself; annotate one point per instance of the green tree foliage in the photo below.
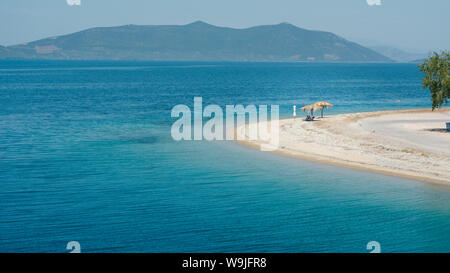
(437, 79)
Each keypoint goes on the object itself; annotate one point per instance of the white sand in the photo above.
(408, 143)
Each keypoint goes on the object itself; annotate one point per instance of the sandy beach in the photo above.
(405, 143)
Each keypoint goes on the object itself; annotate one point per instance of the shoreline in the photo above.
(396, 142)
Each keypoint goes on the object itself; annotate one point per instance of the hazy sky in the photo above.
(418, 25)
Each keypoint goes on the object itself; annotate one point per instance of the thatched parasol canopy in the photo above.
(307, 108)
(322, 105)
(311, 108)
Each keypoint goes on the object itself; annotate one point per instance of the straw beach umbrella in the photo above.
(306, 108)
(309, 108)
(322, 105)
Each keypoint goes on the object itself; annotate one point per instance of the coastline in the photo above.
(403, 143)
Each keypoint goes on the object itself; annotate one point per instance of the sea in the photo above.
(86, 155)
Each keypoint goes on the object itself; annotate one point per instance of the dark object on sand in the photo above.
(309, 118)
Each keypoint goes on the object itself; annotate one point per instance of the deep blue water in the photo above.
(86, 155)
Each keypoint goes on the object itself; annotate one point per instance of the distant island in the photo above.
(197, 41)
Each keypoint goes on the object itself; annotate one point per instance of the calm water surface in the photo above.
(86, 155)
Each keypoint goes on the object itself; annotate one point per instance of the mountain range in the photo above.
(197, 41)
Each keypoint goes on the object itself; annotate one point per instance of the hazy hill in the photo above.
(197, 41)
(398, 54)
(419, 61)
(3, 52)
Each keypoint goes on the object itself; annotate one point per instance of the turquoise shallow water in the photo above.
(86, 155)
